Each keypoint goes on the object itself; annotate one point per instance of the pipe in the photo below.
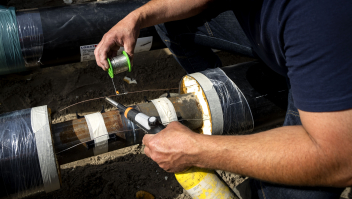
(61, 35)
(238, 99)
(187, 110)
(71, 134)
(265, 91)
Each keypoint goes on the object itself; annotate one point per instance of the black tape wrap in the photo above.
(20, 173)
(237, 116)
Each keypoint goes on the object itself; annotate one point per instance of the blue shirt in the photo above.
(310, 42)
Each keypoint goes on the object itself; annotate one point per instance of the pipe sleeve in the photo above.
(236, 113)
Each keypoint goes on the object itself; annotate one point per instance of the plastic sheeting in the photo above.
(237, 116)
(31, 37)
(20, 172)
(11, 59)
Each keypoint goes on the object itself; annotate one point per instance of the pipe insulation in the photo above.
(60, 35)
(27, 160)
(237, 99)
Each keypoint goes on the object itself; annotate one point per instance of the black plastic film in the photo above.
(265, 90)
(20, 173)
(11, 59)
(31, 37)
(237, 116)
(68, 28)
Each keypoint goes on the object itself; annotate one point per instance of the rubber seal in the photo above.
(110, 70)
(128, 61)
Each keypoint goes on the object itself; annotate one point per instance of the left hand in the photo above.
(174, 148)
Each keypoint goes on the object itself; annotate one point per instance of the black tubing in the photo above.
(60, 32)
(265, 90)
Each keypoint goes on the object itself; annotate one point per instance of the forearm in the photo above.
(160, 11)
(284, 155)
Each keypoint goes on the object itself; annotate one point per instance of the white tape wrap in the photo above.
(98, 132)
(217, 119)
(165, 109)
(41, 128)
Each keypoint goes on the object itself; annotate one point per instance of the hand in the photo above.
(123, 34)
(174, 148)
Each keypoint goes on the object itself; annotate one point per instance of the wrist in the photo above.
(198, 150)
(137, 18)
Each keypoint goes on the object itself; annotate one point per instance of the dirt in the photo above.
(117, 174)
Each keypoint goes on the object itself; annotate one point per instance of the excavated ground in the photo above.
(117, 174)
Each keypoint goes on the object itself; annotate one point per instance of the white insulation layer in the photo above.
(213, 101)
(41, 128)
(98, 132)
(192, 86)
(165, 109)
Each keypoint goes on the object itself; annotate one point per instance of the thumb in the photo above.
(146, 139)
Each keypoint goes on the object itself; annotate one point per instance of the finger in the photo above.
(129, 48)
(103, 55)
(146, 139)
(105, 50)
(147, 151)
(96, 54)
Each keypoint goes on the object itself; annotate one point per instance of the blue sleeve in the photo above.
(317, 37)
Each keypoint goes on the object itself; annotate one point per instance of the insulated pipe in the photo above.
(68, 34)
(238, 99)
(27, 157)
(265, 91)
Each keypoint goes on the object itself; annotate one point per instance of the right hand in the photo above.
(174, 149)
(123, 34)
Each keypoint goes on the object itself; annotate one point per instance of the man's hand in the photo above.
(174, 148)
(123, 34)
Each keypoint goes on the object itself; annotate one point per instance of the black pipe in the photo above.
(53, 36)
(265, 91)
(20, 173)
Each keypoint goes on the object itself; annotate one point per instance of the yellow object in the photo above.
(117, 92)
(144, 195)
(203, 184)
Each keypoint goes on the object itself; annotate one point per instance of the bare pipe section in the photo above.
(71, 137)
